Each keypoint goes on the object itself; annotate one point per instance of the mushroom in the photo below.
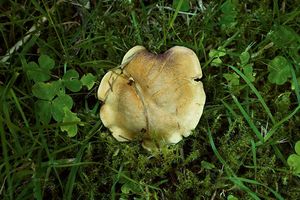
(158, 98)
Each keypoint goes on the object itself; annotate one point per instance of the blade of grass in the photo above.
(175, 14)
(21, 42)
(6, 160)
(136, 26)
(230, 109)
(295, 81)
(19, 107)
(279, 154)
(276, 14)
(51, 157)
(113, 187)
(292, 15)
(5, 109)
(37, 187)
(132, 180)
(241, 185)
(9, 85)
(231, 175)
(258, 95)
(26, 193)
(74, 169)
(11, 127)
(72, 175)
(48, 12)
(248, 119)
(276, 194)
(256, 131)
(213, 146)
(90, 134)
(60, 165)
(278, 125)
(253, 148)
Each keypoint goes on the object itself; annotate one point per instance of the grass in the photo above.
(239, 149)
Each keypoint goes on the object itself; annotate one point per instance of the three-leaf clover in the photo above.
(88, 80)
(40, 72)
(53, 102)
(244, 58)
(46, 91)
(279, 69)
(70, 117)
(59, 104)
(228, 19)
(294, 159)
(247, 67)
(215, 55)
(232, 79)
(71, 80)
(43, 111)
(284, 37)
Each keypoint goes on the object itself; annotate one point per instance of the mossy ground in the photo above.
(222, 157)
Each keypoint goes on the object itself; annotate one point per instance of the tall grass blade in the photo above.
(175, 14)
(248, 119)
(260, 98)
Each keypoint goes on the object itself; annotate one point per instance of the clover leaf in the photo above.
(71, 81)
(58, 105)
(297, 147)
(232, 79)
(247, 67)
(46, 91)
(54, 102)
(294, 159)
(46, 62)
(279, 69)
(70, 117)
(248, 71)
(42, 108)
(52, 98)
(185, 5)
(284, 37)
(293, 86)
(294, 162)
(207, 165)
(130, 186)
(88, 80)
(231, 197)
(229, 10)
(215, 56)
(244, 57)
(41, 72)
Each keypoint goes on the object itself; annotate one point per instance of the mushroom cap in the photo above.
(156, 97)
